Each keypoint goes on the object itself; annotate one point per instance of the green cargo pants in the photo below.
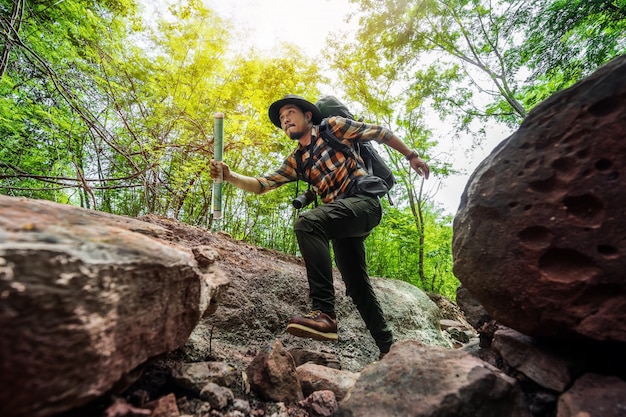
(346, 223)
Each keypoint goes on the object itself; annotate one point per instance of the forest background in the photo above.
(110, 104)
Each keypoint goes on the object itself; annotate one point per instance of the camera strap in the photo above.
(301, 170)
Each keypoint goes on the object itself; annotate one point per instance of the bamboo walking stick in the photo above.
(218, 133)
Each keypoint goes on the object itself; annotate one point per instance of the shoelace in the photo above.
(313, 314)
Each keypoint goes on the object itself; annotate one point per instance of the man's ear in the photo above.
(308, 115)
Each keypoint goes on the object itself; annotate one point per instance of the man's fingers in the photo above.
(422, 169)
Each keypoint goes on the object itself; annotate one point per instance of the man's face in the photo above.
(293, 121)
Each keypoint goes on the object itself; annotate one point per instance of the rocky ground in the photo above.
(267, 287)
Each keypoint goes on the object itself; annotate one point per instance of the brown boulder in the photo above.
(85, 298)
(540, 232)
(545, 368)
(594, 395)
(272, 375)
(314, 377)
(320, 404)
(474, 312)
(416, 380)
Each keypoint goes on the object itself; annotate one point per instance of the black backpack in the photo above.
(374, 164)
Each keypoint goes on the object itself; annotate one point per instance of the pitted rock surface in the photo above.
(540, 234)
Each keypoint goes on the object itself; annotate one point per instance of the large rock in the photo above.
(539, 234)
(411, 314)
(594, 395)
(272, 375)
(416, 380)
(473, 311)
(545, 368)
(314, 377)
(85, 298)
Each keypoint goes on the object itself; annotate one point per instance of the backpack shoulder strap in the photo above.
(299, 170)
(333, 141)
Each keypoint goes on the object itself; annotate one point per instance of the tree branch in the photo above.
(13, 27)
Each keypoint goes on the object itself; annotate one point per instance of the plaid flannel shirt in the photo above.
(329, 172)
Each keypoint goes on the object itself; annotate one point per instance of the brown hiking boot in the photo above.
(384, 350)
(315, 325)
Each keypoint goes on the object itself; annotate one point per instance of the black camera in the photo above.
(303, 200)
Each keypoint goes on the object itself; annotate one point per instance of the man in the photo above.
(345, 218)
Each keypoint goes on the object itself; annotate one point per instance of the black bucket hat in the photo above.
(296, 100)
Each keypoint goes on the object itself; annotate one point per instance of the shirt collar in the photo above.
(313, 139)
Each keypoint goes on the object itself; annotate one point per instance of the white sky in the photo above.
(266, 24)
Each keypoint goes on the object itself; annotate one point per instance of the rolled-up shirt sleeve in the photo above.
(352, 130)
(286, 173)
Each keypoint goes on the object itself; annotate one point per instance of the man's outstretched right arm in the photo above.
(240, 181)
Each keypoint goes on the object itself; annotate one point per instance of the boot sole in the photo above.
(303, 331)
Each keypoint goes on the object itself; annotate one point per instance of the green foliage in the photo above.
(445, 54)
(99, 109)
(47, 68)
(393, 250)
(469, 59)
(130, 127)
(565, 41)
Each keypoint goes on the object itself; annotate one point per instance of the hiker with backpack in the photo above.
(350, 206)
